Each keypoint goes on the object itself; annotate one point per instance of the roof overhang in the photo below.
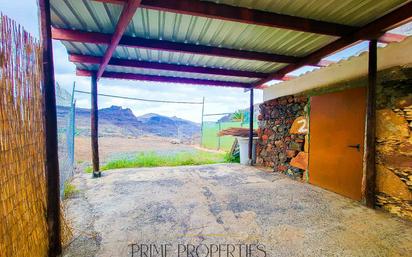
(393, 55)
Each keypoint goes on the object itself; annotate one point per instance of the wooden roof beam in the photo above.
(164, 79)
(244, 15)
(129, 9)
(194, 8)
(162, 45)
(249, 16)
(372, 30)
(165, 66)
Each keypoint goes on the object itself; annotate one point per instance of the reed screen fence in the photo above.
(23, 228)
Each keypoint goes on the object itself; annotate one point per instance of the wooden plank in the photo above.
(165, 79)
(370, 147)
(50, 132)
(372, 30)
(129, 9)
(94, 116)
(244, 15)
(165, 66)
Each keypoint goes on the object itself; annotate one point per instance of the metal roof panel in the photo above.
(348, 12)
(179, 74)
(195, 60)
(102, 17)
(174, 27)
(173, 57)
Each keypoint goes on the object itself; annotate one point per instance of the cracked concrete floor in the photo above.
(225, 204)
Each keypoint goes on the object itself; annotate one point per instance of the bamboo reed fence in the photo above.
(23, 226)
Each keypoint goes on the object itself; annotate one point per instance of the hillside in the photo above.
(116, 121)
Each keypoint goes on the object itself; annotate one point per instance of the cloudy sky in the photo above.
(218, 99)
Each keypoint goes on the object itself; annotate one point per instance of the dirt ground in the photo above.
(110, 147)
(224, 204)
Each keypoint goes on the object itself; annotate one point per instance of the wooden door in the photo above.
(337, 127)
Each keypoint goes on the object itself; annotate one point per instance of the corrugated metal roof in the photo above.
(153, 24)
(162, 25)
(174, 57)
(85, 15)
(93, 16)
(155, 72)
(85, 48)
(348, 12)
(178, 74)
(195, 59)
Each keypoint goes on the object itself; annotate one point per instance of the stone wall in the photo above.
(282, 147)
(282, 130)
(394, 142)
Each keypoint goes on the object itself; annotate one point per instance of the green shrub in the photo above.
(232, 159)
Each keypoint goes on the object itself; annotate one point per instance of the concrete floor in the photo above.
(225, 204)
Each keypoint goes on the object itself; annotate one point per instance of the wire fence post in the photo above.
(201, 125)
(73, 122)
(218, 138)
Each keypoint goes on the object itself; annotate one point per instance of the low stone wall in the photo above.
(394, 143)
(282, 130)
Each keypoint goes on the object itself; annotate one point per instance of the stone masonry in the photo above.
(394, 143)
(283, 148)
(277, 146)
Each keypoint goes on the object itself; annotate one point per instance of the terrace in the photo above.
(245, 46)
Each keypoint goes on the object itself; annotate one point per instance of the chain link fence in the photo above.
(66, 132)
(210, 130)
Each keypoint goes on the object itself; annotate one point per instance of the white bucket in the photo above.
(244, 149)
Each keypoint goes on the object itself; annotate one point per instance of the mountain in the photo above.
(116, 121)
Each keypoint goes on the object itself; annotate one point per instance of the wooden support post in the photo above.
(50, 132)
(251, 128)
(94, 127)
(370, 149)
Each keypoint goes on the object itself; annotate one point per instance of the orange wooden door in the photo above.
(337, 126)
